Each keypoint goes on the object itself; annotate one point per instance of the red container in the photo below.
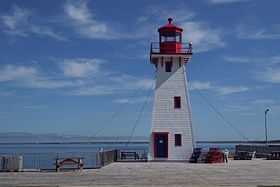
(214, 156)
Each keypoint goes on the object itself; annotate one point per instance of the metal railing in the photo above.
(181, 48)
(95, 159)
(142, 154)
(46, 161)
(258, 148)
(108, 157)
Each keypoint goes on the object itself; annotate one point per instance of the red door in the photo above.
(160, 145)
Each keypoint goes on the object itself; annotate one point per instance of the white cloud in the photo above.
(201, 85)
(225, 1)
(203, 37)
(132, 82)
(97, 30)
(240, 110)
(249, 29)
(95, 90)
(16, 19)
(18, 23)
(24, 76)
(116, 85)
(82, 20)
(78, 11)
(133, 101)
(262, 101)
(49, 83)
(12, 72)
(80, 67)
(274, 109)
(226, 90)
(256, 34)
(220, 90)
(75, 75)
(271, 75)
(44, 31)
(34, 107)
(269, 60)
(237, 108)
(275, 59)
(7, 93)
(240, 59)
(180, 13)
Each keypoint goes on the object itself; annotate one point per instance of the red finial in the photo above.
(170, 20)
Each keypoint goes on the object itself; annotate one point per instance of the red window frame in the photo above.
(178, 139)
(168, 66)
(177, 102)
(180, 62)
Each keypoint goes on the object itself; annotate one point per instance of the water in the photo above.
(230, 147)
(42, 156)
(62, 148)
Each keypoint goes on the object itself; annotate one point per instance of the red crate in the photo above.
(214, 156)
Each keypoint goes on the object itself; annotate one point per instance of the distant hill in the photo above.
(26, 137)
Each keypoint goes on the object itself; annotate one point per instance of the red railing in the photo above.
(171, 48)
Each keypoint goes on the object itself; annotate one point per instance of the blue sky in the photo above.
(68, 66)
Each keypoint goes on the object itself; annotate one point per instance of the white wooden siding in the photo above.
(167, 119)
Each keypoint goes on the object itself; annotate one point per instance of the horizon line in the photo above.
(134, 142)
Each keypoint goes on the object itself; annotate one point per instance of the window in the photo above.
(178, 140)
(178, 37)
(168, 66)
(177, 102)
(162, 39)
(168, 37)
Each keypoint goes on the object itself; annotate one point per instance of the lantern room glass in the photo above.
(170, 37)
(178, 37)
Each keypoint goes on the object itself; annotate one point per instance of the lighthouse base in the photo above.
(164, 147)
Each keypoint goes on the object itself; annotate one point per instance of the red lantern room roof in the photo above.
(170, 26)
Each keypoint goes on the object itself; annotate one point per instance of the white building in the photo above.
(171, 136)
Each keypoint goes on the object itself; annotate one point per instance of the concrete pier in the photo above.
(256, 172)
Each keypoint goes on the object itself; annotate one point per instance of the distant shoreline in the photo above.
(133, 142)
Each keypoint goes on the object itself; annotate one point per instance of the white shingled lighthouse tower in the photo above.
(171, 136)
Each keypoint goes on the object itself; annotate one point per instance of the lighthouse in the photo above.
(171, 135)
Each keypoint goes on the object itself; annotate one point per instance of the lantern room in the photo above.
(170, 44)
(170, 37)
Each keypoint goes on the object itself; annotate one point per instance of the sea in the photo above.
(42, 156)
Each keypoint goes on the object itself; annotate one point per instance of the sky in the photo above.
(66, 67)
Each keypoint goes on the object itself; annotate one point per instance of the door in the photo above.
(161, 145)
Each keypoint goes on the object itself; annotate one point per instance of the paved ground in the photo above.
(236, 173)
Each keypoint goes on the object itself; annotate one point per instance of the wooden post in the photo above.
(57, 165)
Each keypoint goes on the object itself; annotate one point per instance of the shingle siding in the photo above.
(166, 118)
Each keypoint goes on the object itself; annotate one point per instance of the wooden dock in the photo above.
(255, 172)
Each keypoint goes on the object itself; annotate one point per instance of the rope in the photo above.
(219, 113)
(119, 111)
(139, 115)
